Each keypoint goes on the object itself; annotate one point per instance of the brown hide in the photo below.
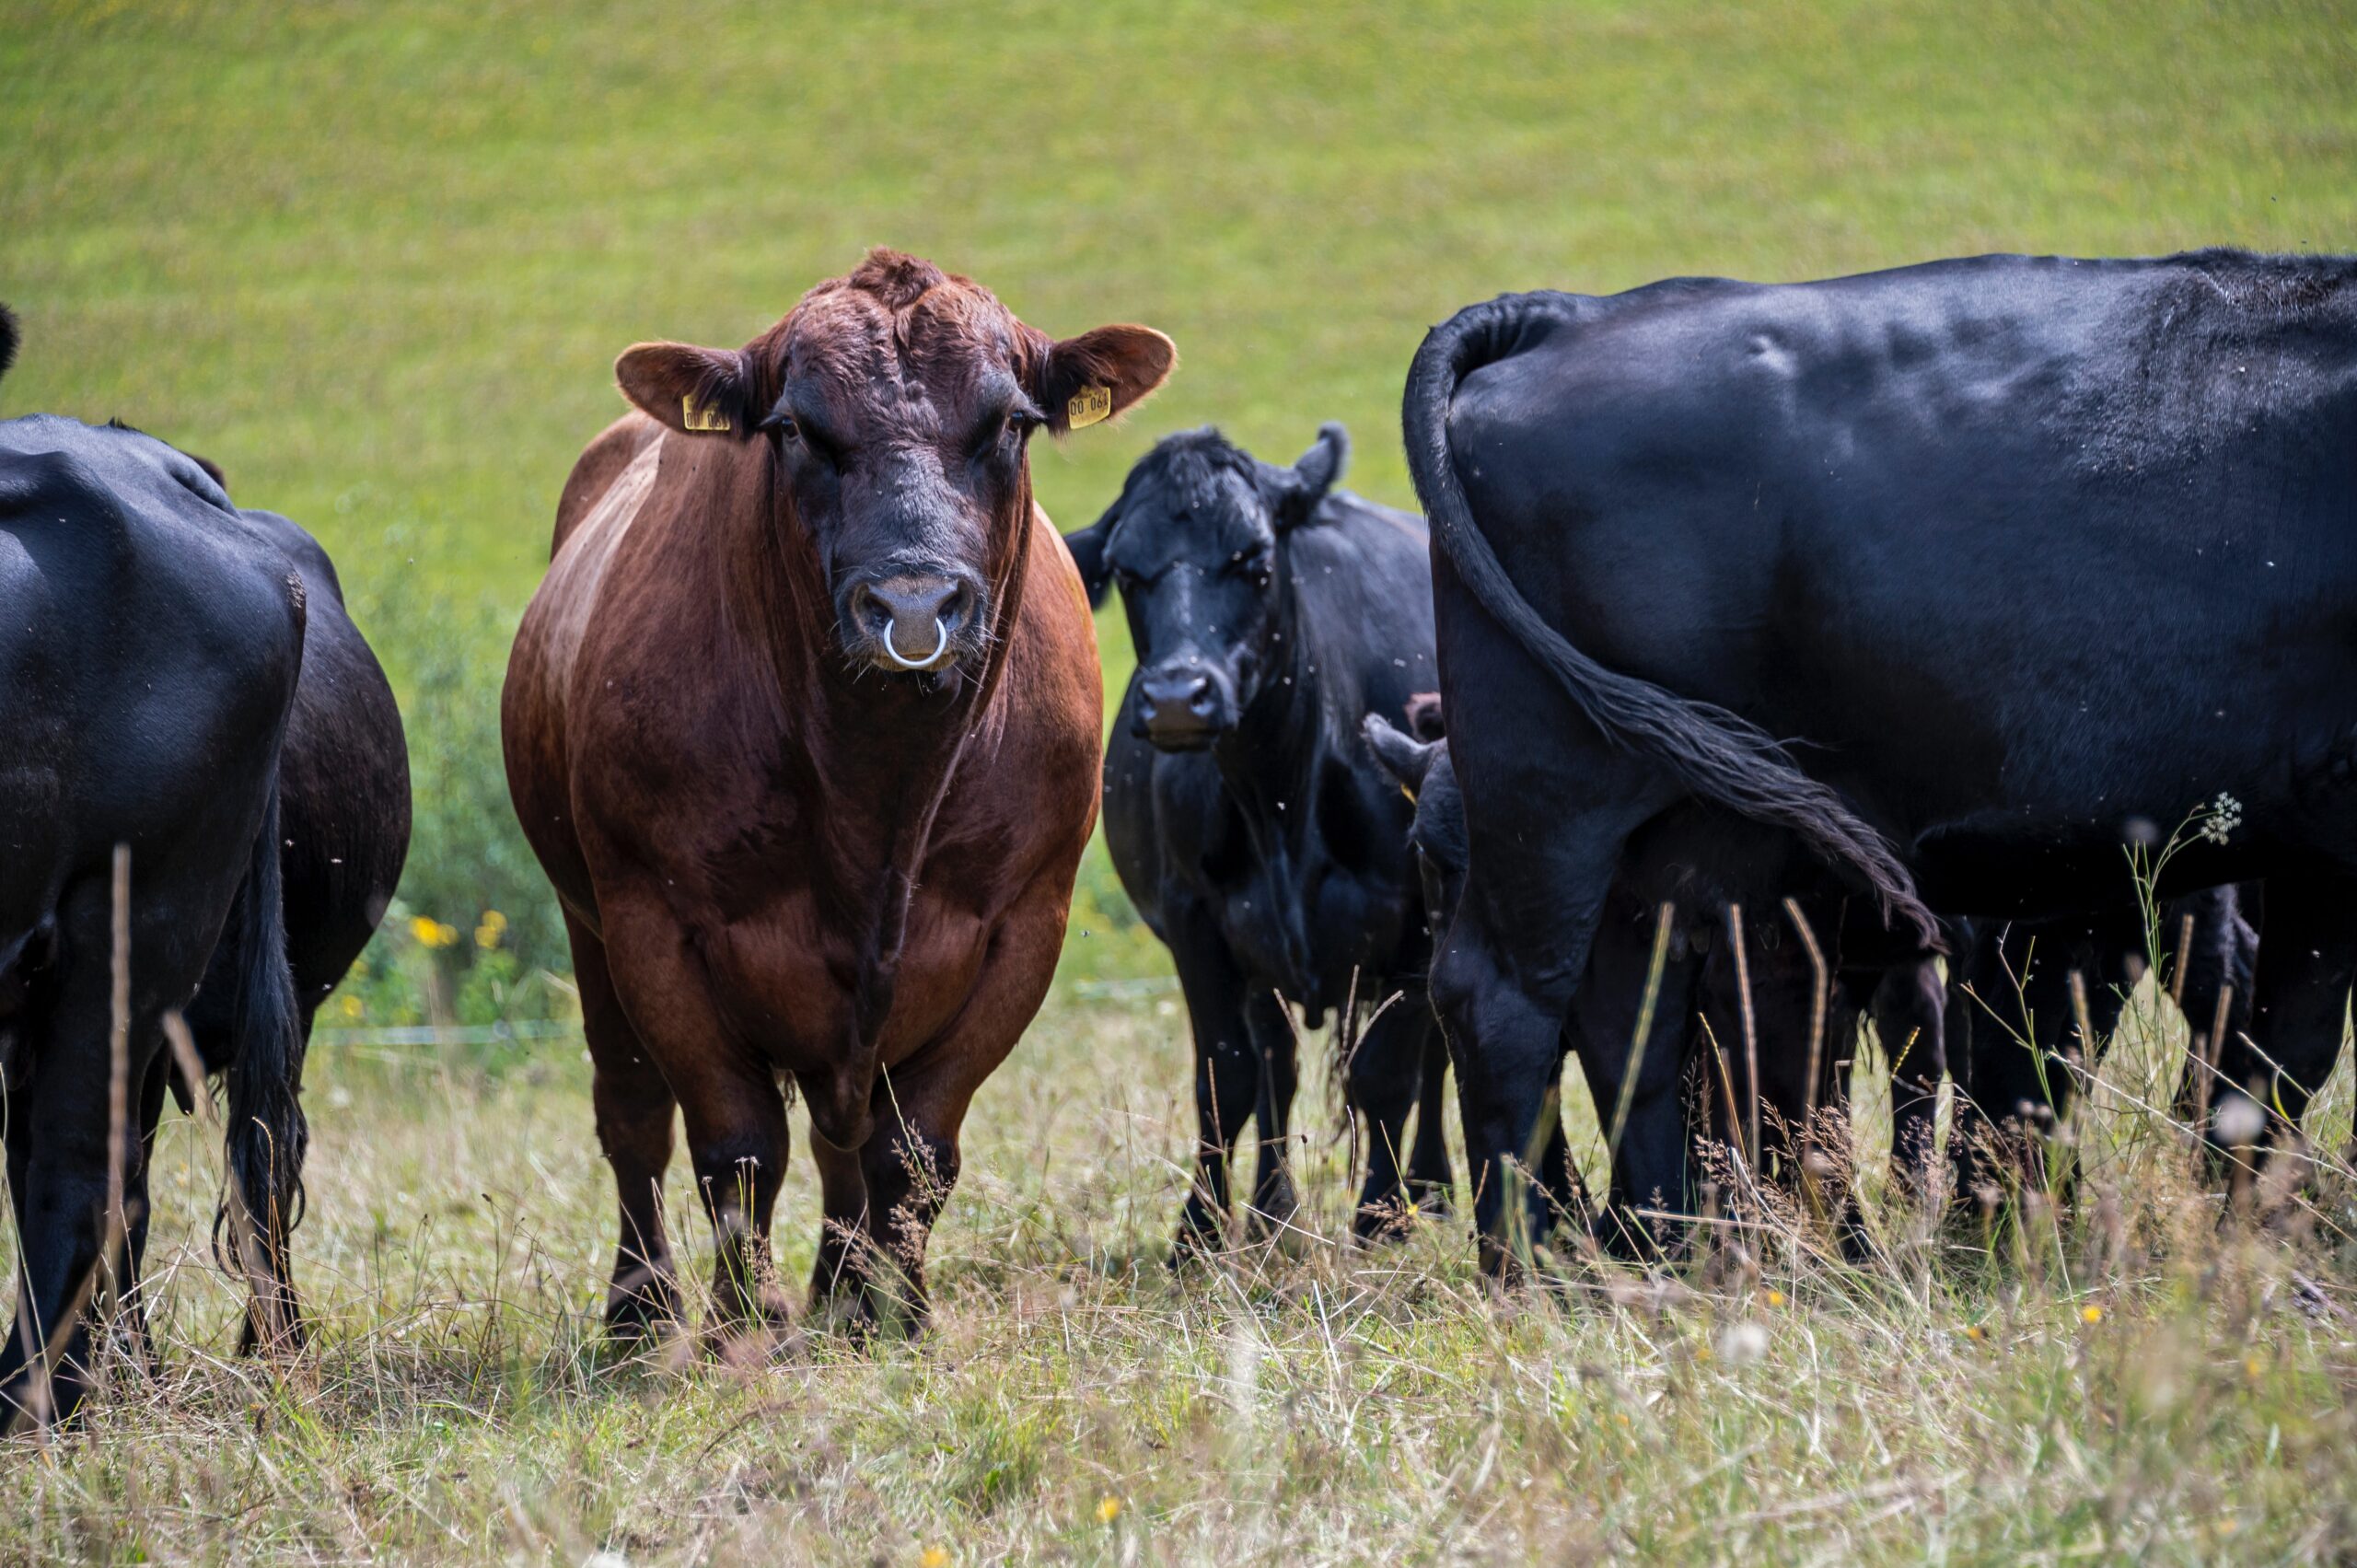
(775, 859)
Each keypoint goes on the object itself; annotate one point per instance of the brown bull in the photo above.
(805, 724)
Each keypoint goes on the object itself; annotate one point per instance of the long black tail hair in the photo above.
(1718, 756)
(267, 1136)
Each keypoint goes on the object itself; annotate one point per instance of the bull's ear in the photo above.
(1405, 758)
(1294, 492)
(697, 391)
(1087, 547)
(1098, 375)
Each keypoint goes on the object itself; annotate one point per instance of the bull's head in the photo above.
(1196, 543)
(900, 403)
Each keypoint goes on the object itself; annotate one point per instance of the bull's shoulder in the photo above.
(602, 462)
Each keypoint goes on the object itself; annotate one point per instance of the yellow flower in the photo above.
(432, 933)
(487, 933)
(1775, 1298)
(1975, 1333)
(352, 1006)
(2251, 1367)
(2090, 1314)
(935, 1557)
(493, 919)
(1108, 1510)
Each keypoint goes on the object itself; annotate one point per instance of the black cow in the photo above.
(1248, 823)
(2018, 552)
(147, 664)
(1701, 1047)
(2013, 1023)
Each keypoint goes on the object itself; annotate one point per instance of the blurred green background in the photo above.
(377, 259)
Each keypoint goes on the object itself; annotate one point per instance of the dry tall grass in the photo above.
(2128, 1378)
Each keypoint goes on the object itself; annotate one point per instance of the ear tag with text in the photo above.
(1088, 405)
(701, 417)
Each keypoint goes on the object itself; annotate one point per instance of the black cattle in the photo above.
(147, 664)
(2016, 553)
(1720, 1024)
(2013, 1019)
(1248, 823)
(344, 824)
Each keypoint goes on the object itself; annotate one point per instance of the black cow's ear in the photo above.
(1093, 378)
(1087, 547)
(1405, 758)
(697, 391)
(1296, 490)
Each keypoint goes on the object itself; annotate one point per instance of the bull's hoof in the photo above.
(644, 1315)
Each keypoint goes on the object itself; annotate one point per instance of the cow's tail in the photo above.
(1717, 755)
(10, 336)
(267, 1136)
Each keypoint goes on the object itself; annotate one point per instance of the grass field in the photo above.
(377, 261)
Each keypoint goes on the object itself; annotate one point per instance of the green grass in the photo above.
(377, 261)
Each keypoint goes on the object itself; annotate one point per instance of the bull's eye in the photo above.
(782, 426)
(1020, 421)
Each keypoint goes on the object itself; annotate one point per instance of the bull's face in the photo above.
(1196, 545)
(899, 405)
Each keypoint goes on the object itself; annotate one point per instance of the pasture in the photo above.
(376, 262)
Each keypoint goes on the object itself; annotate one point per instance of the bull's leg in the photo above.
(736, 1140)
(1274, 1199)
(2305, 966)
(912, 1160)
(1429, 1179)
(635, 1113)
(839, 1276)
(1228, 1079)
(1381, 1081)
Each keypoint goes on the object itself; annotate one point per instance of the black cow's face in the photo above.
(1196, 545)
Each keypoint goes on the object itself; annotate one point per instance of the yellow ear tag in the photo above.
(1088, 405)
(695, 417)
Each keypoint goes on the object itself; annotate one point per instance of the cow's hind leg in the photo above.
(1381, 1080)
(2307, 959)
(60, 1141)
(635, 1113)
(1429, 1177)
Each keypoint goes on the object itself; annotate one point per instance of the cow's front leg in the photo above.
(1278, 1050)
(1227, 1079)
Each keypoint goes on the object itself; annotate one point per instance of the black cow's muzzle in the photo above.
(1182, 710)
(912, 621)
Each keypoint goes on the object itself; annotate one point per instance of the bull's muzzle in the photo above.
(911, 621)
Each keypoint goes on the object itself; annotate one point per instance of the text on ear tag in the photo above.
(701, 417)
(1087, 406)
